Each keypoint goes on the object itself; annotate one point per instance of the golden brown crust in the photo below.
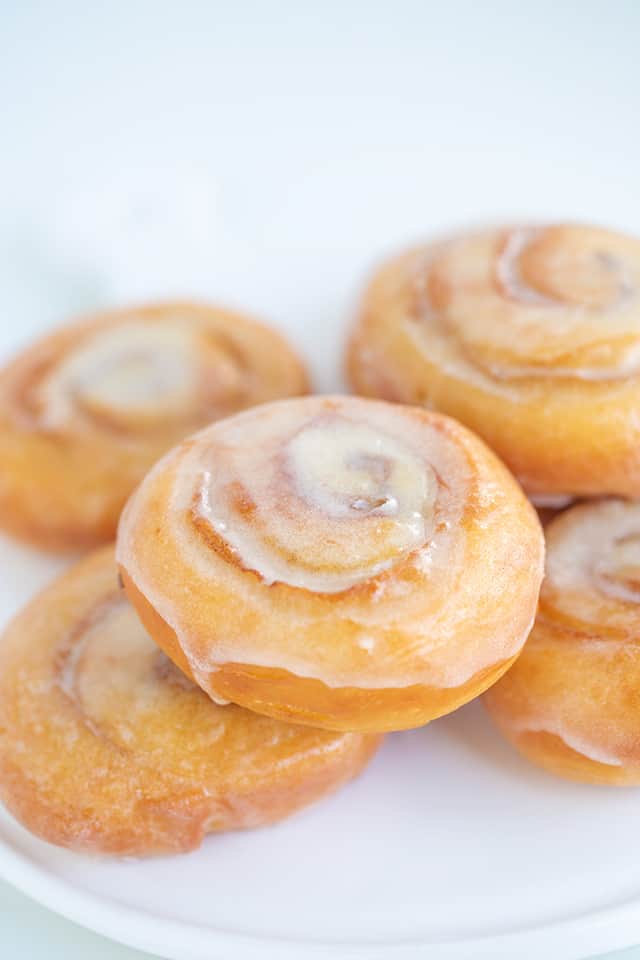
(549, 751)
(571, 702)
(545, 370)
(105, 747)
(280, 694)
(72, 451)
(374, 647)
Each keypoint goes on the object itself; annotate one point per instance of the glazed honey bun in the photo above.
(571, 702)
(530, 336)
(105, 746)
(86, 411)
(335, 561)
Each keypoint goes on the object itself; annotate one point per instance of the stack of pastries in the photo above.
(294, 576)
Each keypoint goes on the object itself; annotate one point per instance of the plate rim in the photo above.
(609, 928)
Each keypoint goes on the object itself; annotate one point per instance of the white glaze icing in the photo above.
(116, 631)
(439, 668)
(575, 742)
(592, 554)
(305, 508)
(429, 634)
(128, 369)
(346, 492)
(611, 334)
(66, 678)
(630, 366)
(113, 624)
(508, 269)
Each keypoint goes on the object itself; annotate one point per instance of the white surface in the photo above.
(266, 155)
(448, 840)
(30, 932)
(33, 932)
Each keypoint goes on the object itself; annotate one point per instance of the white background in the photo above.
(267, 154)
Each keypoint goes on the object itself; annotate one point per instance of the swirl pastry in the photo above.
(87, 410)
(571, 703)
(342, 562)
(106, 747)
(530, 336)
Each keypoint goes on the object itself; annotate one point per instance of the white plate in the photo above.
(265, 155)
(449, 846)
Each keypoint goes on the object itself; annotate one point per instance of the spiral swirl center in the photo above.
(347, 467)
(133, 370)
(578, 270)
(556, 301)
(619, 568)
(325, 506)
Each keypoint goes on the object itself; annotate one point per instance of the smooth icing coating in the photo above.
(125, 374)
(91, 407)
(577, 682)
(322, 506)
(338, 540)
(105, 746)
(530, 336)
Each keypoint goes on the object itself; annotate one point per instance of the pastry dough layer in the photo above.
(333, 560)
